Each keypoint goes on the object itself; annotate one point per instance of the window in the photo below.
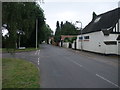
(110, 42)
(97, 19)
(86, 37)
(80, 38)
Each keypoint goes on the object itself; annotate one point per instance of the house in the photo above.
(102, 34)
(66, 40)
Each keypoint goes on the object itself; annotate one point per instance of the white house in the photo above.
(102, 34)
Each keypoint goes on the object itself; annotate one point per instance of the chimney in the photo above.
(94, 15)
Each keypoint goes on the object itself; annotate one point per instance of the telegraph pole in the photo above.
(36, 32)
(80, 33)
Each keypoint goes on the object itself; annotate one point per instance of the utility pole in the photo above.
(81, 37)
(80, 33)
(36, 32)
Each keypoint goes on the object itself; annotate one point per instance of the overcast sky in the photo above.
(74, 10)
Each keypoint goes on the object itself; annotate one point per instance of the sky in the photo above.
(74, 10)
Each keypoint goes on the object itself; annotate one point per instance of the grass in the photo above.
(18, 73)
(18, 50)
(27, 49)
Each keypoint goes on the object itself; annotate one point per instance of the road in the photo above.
(66, 68)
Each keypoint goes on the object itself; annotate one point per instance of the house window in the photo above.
(110, 42)
(97, 19)
(86, 37)
(80, 38)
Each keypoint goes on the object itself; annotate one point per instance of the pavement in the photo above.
(67, 68)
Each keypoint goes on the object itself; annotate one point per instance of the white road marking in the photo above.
(107, 80)
(38, 68)
(76, 63)
(38, 60)
(36, 52)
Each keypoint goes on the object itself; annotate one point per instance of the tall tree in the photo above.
(68, 29)
(61, 25)
(22, 16)
(57, 33)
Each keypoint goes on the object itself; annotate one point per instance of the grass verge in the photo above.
(18, 50)
(17, 73)
(26, 49)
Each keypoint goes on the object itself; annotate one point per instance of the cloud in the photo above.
(81, 0)
(67, 15)
(73, 11)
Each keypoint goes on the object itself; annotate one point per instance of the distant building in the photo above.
(51, 40)
(65, 41)
(102, 34)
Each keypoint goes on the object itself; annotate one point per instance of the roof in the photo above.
(103, 21)
(67, 36)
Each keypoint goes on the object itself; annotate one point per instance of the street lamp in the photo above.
(20, 32)
(80, 32)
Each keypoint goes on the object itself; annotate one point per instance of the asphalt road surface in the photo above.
(67, 68)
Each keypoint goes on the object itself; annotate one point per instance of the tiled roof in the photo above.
(103, 21)
(67, 36)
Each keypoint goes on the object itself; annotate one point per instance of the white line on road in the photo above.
(36, 52)
(38, 60)
(107, 80)
(76, 63)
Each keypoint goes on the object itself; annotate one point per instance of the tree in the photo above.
(57, 33)
(48, 33)
(68, 29)
(22, 16)
(61, 24)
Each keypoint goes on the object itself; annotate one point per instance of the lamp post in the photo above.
(80, 33)
(20, 32)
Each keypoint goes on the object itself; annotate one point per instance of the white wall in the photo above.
(111, 49)
(50, 41)
(119, 24)
(96, 43)
(73, 44)
(95, 39)
(60, 44)
(66, 44)
(119, 47)
(78, 42)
